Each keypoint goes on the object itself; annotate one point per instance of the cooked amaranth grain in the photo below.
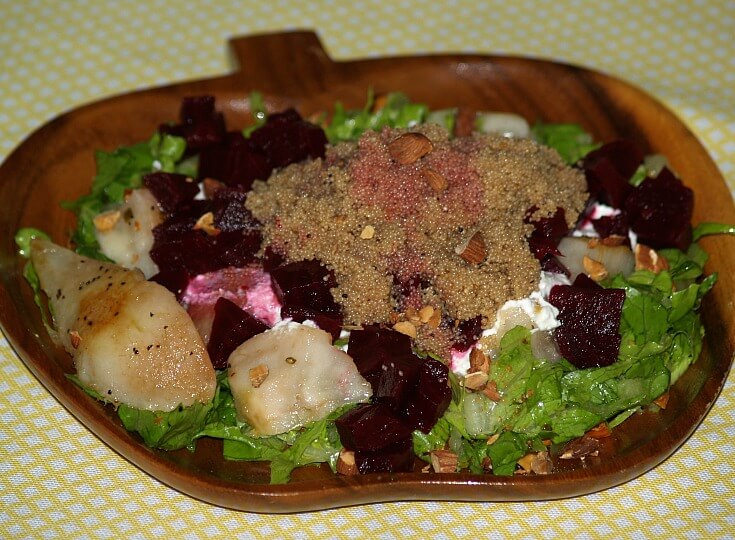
(392, 238)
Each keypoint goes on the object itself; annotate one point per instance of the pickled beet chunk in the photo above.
(371, 427)
(231, 327)
(384, 357)
(467, 333)
(200, 124)
(172, 191)
(616, 225)
(431, 398)
(235, 162)
(660, 212)
(306, 284)
(609, 169)
(175, 281)
(589, 317)
(285, 138)
(547, 233)
(395, 458)
(553, 266)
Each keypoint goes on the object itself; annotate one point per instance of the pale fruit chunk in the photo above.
(615, 259)
(291, 375)
(131, 341)
(127, 239)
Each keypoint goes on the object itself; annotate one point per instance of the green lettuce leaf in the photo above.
(570, 140)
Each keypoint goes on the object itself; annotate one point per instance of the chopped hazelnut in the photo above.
(474, 250)
(368, 232)
(647, 258)
(258, 374)
(594, 268)
(106, 220)
(444, 461)
(405, 327)
(475, 381)
(206, 223)
(346, 463)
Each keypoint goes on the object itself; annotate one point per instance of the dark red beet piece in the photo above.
(583, 281)
(607, 226)
(396, 458)
(236, 162)
(552, 265)
(660, 212)
(174, 280)
(201, 125)
(285, 138)
(232, 326)
(303, 288)
(547, 233)
(432, 396)
(384, 357)
(608, 171)
(588, 335)
(467, 333)
(371, 427)
(172, 191)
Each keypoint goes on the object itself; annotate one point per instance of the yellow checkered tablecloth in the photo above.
(58, 480)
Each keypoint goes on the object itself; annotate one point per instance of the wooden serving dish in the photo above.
(292, 69)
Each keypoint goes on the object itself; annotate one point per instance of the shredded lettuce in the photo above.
(570, 140)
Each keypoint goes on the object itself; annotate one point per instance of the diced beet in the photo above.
(172, 191)
(235, 161)
(285, 138)
(272, 259)
(467, 333)
(384, 357)
(232, 326)
(551, 264)
(432, 396)
(396, 458)
(547, 233)
(306, 284)
(303, 288)
(174, 280)
(660, 212)
(616, 225)
(201, 125)
(609, 169)
(371, 427)
(588, 335)
(583, 281)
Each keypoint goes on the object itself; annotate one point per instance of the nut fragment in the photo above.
(444, 461)
(346, 463)
(493, 438)
(580, 448)
(491, 391)
(258, 374)
(600, 431)
(368, 232)
(405, 327)
(435, 319)
(426, 313)
(613, 240)
(436, 180)
(662, 400)
(106, 220)
(76, 339)
(479, 361)
(211, 186)
(475, 381)
(647, 258)
(409, 147)
(206, 223)
(474, 251)
(541, 463)
(594, 268)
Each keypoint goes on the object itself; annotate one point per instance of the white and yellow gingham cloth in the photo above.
(57, 480)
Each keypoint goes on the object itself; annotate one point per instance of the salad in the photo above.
(377, 286)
